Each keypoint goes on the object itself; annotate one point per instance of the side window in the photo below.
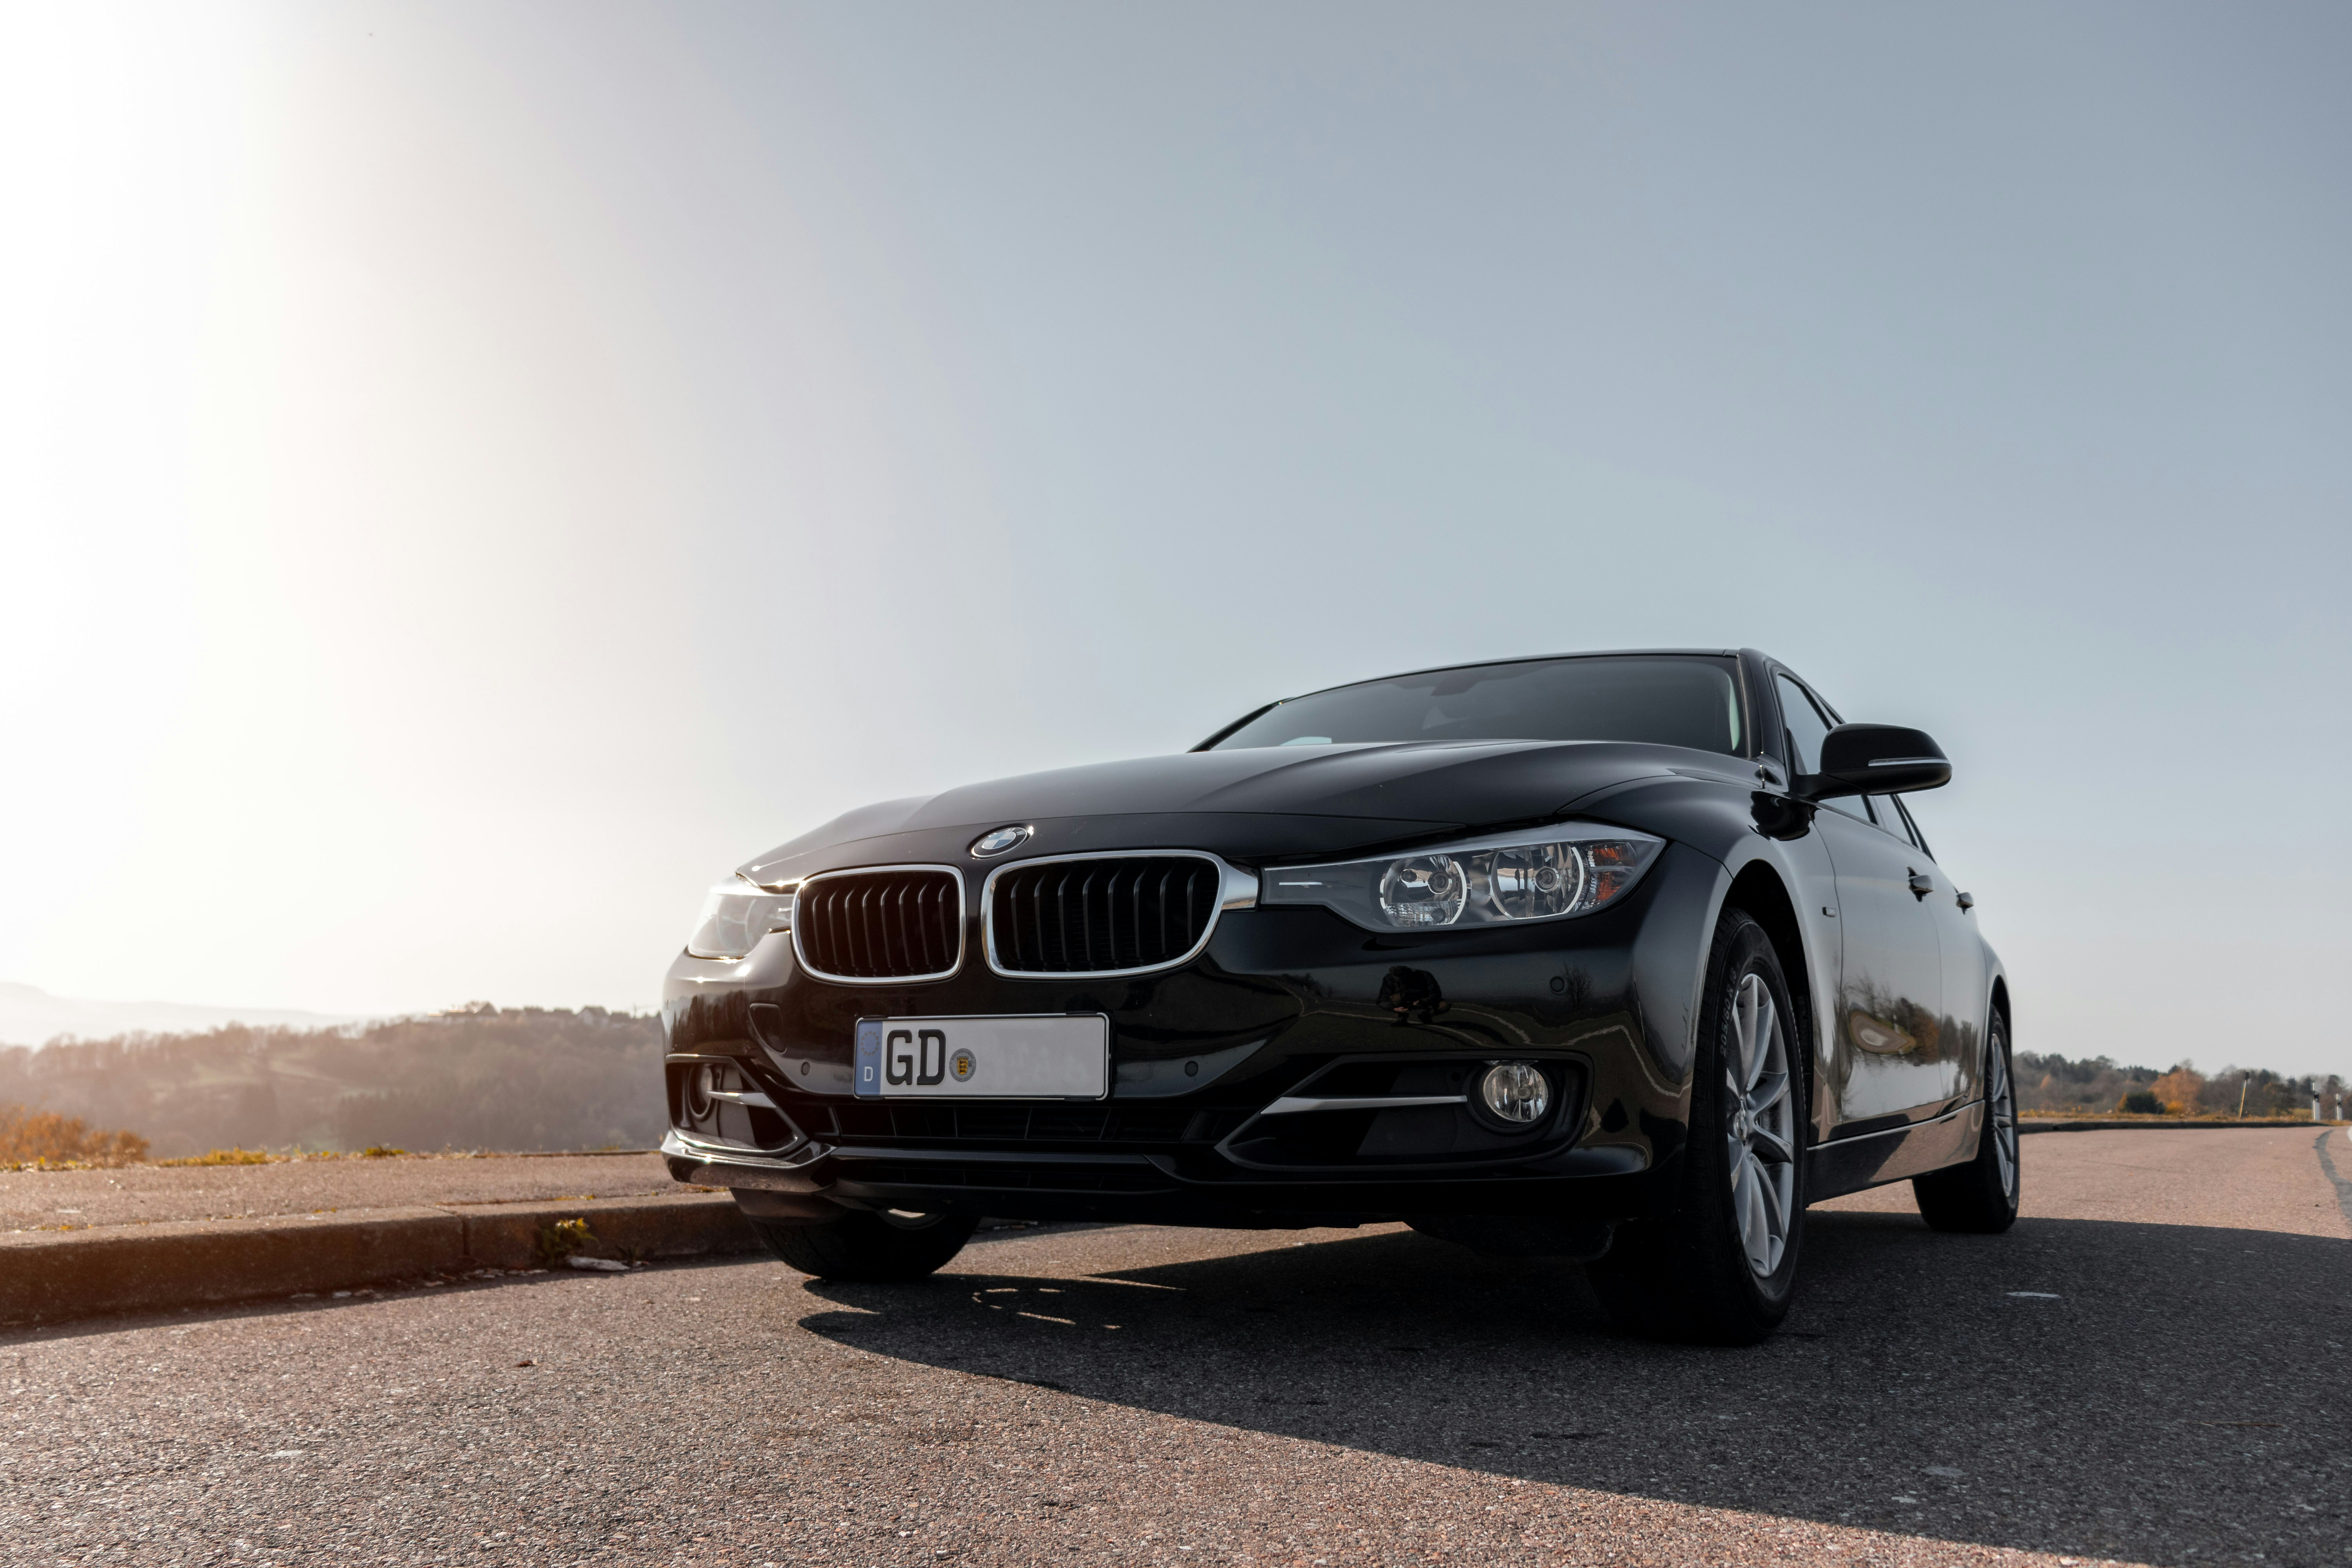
(1917, 838)
(1854, 805)
(1890, 817)
(1807, 727)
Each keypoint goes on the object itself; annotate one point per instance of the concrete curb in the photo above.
(2096, 1125)
(51, 1276)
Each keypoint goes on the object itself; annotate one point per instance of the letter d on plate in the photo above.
(868, 1080)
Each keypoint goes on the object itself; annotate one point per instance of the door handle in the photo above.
(1921, 884)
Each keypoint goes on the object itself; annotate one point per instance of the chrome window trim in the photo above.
(963, 927)
(1236, 889)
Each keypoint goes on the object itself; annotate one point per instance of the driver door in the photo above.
(1890, 973)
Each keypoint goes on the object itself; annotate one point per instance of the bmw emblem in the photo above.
(1003, 841)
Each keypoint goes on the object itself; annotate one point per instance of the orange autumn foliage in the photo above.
(2180, 1089)
(44, 1136)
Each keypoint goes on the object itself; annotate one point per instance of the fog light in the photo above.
(1516, 1092)
(699, 1082)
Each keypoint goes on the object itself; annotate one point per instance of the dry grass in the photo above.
(264, 1157)
(226, 1157)
(45, 1138)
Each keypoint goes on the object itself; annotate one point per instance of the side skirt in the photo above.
(1847, 1165)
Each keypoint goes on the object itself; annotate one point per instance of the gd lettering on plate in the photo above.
(1054, 1057)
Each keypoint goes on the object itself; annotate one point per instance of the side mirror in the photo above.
(1875, 759)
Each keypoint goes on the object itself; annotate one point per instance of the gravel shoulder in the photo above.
(135, 1195)
(2144, 1369)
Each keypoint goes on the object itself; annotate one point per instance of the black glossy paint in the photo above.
(1283, 995)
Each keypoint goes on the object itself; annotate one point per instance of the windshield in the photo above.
(1666, 700)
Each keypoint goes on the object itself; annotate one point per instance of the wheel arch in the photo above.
(1759, 890)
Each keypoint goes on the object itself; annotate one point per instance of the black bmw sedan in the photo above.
(1618, 957)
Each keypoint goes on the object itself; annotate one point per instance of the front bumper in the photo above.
(1282, 1003)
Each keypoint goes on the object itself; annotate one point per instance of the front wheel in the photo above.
(1981, 1196)
(1723, 1270)
(878, 1249)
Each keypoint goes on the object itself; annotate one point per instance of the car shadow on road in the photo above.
(2152, 1391)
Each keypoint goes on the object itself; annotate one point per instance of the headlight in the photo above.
(1426, 890)
(735, 915)
(1546, 873)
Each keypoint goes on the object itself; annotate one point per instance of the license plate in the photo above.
(1055, 1056)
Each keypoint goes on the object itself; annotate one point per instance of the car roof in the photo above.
(1522, 659)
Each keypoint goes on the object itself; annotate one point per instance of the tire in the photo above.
(876, 1248)
(1980, 1197)
(1722, 1268)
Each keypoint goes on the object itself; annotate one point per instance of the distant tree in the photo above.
(2276, 1096)
(2054, 1083)
(29, 1137)
(2182, 1090)
(2140, 1102)
(2259, 1092)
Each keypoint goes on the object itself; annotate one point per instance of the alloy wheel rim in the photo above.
(2003, 1099)
(1760, 1126)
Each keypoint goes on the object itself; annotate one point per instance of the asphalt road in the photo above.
(2151, 1366)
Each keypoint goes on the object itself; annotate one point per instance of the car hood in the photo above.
(1264, 802)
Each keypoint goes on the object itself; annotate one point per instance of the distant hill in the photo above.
(31, 1016)
(481, 1078)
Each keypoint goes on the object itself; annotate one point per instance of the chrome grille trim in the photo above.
(1236, 890)
(875, 933)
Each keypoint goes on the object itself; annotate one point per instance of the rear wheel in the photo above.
(1723, 1269)
(1981, 1196)
(864, 1246)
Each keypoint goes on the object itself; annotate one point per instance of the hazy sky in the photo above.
(472, 474)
